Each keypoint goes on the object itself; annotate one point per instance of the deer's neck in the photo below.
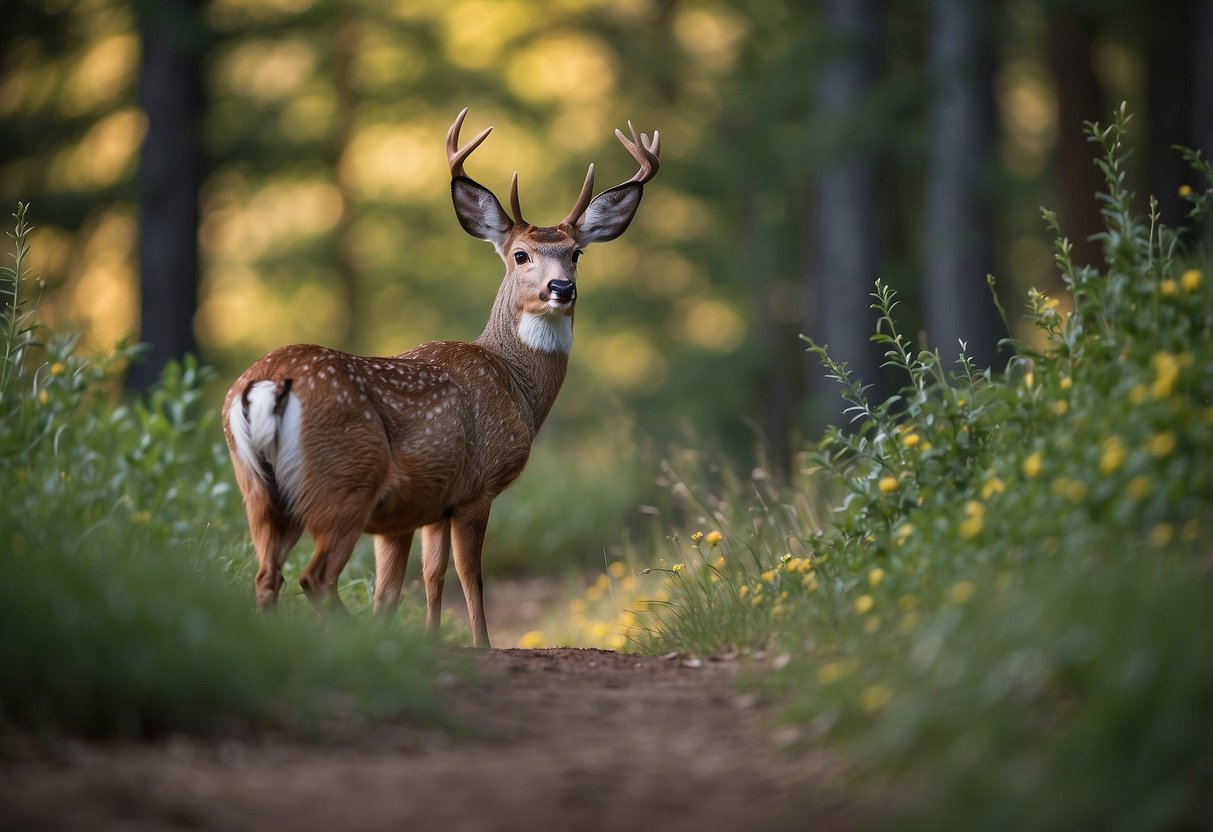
(536, 373)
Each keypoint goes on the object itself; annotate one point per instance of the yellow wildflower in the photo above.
(961, 592)
(1113, 455)
(973, 508)
(1066, 383)
(57, 369)
(875, 576)
(874, 698)
(991, 487)
(1185, 191)
(43, 397)
(864, 604)
(809, 582)
(1166, 370)
(1060, 407)
(903, 532)
(911, 439)
(1138, 487)
(1190, 280)
(970, 527)
(743, 591)
(1168, 287)
(887, 485)
(678, 567)
(617, 569)
(769, 576)
(1161, 444)
(831, 672)
(1162, 534)
(1032, 465)
(531, 640)
(713, 538)
(697, 536)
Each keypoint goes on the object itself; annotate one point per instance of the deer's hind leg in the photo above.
(273, 537)
(333, 550)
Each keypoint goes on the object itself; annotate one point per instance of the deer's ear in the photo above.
(609, 214)
(479, 212)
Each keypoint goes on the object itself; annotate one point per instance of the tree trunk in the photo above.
(1169, 84)
(170, 173)
(170, 92)
(1078, 99)
(959, 250)
(347, 39)
(845, 209)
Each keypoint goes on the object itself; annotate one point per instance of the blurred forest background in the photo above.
(227, 176)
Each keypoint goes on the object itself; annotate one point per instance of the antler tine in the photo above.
(515, 208)
(643, 151)
(455, 155)
(583, 199)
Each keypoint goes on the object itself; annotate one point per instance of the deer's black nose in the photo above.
(562, 290)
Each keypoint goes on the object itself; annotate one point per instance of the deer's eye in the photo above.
(521, 257)
(576, 255)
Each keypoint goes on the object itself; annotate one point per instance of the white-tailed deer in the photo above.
(342, 444)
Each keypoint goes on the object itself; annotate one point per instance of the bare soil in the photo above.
(562, 739)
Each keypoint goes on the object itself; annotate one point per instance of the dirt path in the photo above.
(567, 739)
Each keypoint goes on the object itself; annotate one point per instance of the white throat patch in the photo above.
(550, 332)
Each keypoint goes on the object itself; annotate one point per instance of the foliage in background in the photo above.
(1003, 604)
(117, 527)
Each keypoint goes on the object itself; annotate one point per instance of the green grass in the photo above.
(126, 605)
(993, 590)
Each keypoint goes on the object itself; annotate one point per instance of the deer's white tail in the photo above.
(265, 426)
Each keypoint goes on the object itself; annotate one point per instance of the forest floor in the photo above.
(561, 739)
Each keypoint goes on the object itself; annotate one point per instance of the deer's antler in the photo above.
(643, 150)
(455, 155)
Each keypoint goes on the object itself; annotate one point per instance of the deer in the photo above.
(340, 445)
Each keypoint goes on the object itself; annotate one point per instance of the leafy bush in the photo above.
(118, 524)
(1003, 604)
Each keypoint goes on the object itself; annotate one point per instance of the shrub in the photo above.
(1004, 606)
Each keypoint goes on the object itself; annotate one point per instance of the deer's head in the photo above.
(540, 284)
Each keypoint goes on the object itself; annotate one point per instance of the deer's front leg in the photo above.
(391, 559)
(467, 535)
(435, 554)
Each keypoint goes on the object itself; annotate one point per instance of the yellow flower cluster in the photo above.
(1166, 372)
(974, 521)
(1033, 464)
(887, 485)
(1113, 455)
(605, 614)
(1074, 490)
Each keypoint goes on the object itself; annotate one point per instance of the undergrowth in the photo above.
(125, 604)
(994, 587)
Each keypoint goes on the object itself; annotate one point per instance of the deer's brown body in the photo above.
(341, 445)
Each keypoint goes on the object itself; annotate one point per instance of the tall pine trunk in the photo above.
(958, 222)
(170, 173)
